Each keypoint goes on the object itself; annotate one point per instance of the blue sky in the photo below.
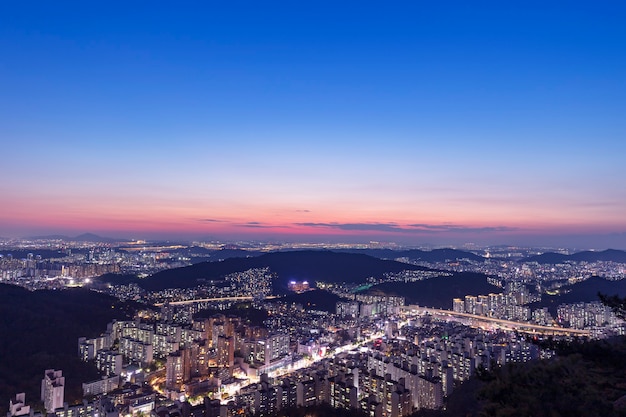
(503, 118)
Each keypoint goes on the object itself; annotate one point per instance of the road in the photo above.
(201, 300)
(500, 323)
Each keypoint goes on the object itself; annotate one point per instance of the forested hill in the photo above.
(585, 291)
(40, 330)
(435, 255)
(438, 292)
(609, 255)
(299, 265)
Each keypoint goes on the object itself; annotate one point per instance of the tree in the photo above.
(616, 303)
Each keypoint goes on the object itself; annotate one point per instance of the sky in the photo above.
(414, 122)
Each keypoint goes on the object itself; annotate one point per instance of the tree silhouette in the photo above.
(616, 303)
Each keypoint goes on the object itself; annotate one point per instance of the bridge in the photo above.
(202, 300)
(482, 321)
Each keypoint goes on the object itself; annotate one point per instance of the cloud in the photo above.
(303, 211)
(410, 228)
(390, 227)
(255, 225)
(380, 227)
(459, 228)
(259, 225)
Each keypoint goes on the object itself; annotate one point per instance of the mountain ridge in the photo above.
(84, 237)
(289, 265)
(582, 292)
(438, 292)
(608, 255)
(435, 255)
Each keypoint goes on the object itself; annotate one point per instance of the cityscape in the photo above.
(226, 209)
(196, 348)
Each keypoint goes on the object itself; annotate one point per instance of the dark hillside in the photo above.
(609, 255)
(299, 265)
(585, 379)
(585, 291)
(40, 331)
(438, 292)
(435, 255)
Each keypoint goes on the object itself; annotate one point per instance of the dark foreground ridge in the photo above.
(40, 330)
(585, 379)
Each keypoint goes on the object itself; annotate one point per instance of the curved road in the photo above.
(506, 324)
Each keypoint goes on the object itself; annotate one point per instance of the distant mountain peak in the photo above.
(85, 237)
(91, 237)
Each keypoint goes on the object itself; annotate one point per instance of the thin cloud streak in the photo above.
(259, 225)
(410, 228)
(459, 228)
(379, 227)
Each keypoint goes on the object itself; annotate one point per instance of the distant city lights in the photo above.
(298, 286)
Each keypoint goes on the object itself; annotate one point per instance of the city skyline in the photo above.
(440, 124)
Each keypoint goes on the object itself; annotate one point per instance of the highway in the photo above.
(523, 327)
(500, 323)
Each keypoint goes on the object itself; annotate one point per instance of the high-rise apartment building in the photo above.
(52, 390)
